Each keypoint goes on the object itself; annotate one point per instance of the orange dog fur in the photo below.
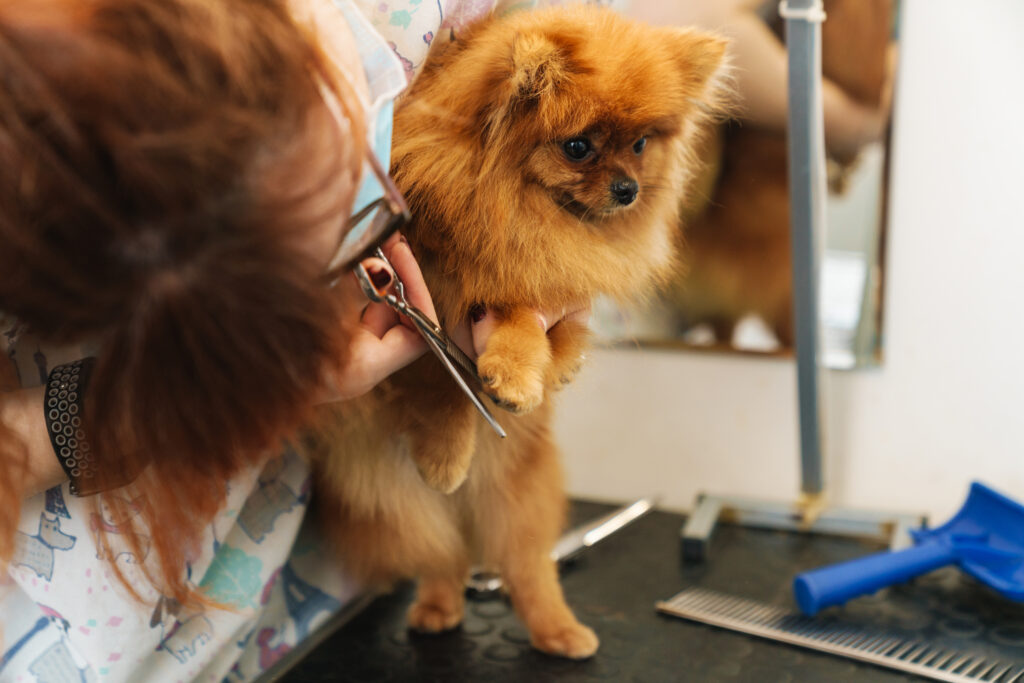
(411, 481)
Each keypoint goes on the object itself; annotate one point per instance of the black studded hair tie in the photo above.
(63, 405)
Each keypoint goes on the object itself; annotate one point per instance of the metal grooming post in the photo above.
(807, 194)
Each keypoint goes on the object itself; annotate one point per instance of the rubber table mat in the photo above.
(613, 589)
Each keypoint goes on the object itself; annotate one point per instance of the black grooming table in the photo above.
(613, 588)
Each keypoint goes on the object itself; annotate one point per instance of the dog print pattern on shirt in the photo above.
(37, 552)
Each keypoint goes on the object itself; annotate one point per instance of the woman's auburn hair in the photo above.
(155, 191)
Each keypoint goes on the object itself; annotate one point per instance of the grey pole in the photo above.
(807, 207)
(807, 194)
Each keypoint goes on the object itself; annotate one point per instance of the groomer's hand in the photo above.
(472, 336)
(382, 342)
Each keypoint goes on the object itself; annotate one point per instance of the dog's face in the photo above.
(594, 173)
(594, 104)
(603, 171)
(552, 148)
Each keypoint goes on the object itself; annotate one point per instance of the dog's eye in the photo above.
(639, 145)
(577, 149)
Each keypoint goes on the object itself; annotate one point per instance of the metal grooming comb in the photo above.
(775, 623)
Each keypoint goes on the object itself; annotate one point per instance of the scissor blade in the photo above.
(443, 357)
(460, 357)
(429, 328)
(443, 347)
(586, 535)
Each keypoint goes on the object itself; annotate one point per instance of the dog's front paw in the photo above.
(512, 386)
(442, 445)
(574, 641)
(569, 340)
(568, 374)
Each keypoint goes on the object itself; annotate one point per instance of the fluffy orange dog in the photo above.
(543, 156)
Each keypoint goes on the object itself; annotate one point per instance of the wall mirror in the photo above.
(733, 291)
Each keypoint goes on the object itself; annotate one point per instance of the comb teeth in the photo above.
(775, 623)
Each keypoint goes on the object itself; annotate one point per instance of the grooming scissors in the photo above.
(439, 342)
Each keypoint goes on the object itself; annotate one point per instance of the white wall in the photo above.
(947, 406)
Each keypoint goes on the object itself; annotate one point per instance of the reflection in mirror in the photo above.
(733, 288)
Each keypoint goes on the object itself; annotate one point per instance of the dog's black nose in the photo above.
(624, 190)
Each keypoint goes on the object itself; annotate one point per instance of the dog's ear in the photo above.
(704, 62)
(539, 66)
(532, 67)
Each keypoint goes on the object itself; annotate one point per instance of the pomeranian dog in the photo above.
(543, 156)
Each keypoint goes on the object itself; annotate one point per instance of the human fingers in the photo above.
(378, 317)
(580, 315)
(404, 263)
(378, 358)
(551, 317)
(371, 359)
(483, 321)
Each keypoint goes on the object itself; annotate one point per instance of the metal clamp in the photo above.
(814, 14)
